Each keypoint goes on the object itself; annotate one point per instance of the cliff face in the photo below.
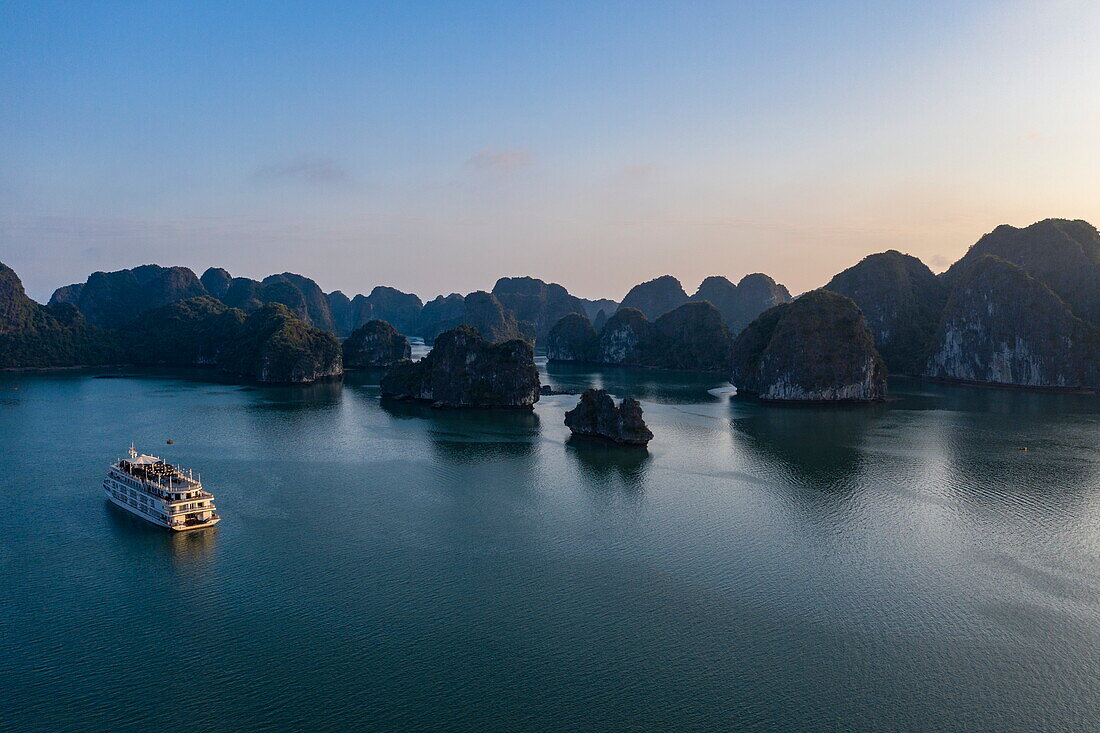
(626, 338)
(56, 335)
(534, 301)
(111, 299)
(572, 339)
(275, 346)
(902, 301)
(1062, 254)
(597, 416)
(656, 297)
(1003, 326)
(375, 344)
(817, 348)
(465, 370)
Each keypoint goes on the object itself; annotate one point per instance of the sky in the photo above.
(437, 146)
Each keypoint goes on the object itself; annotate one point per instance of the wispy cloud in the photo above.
(308, 168)
(501, 161)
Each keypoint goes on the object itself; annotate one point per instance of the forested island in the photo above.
(1021, 308)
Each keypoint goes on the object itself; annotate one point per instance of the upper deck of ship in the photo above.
(156, 471)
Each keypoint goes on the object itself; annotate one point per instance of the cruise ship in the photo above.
(160, 493)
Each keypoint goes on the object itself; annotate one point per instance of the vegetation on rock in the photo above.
(692, 336)
(193, 332)
(740, 304)
(572, 339)
(465, 370)
(902, 301)
(57, 335)
(481, 310)
(534, 301)
(275, 346)
(1062, 254)
(112, 299)
(216, 281)
(817, 348)
(656, 297)
(375, 344)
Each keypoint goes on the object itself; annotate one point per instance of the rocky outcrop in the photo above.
(817, 348)
(592, 308)
(600, 321)
(275, 346)
(57, 335)
(534, 301)
(692, 336)
(193, 332)
(401, 310)
(572, 339)
(339, 305)
(480, 310)
(1062, 254)
(496, 323)
(756, 293)
(440, 314)
(627, 338)
(740, 304)
(465, 370)
(902, 301)
(216, 281)
(111, 299)
(656, 297)
(597, 416)
(1003, 326)
(375, 344)
(316, 311)
(301, 295)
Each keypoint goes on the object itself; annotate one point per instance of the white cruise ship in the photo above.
(160, 493)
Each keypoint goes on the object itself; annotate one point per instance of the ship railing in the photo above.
(180, 510)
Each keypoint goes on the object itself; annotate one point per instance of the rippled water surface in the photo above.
(899, 567)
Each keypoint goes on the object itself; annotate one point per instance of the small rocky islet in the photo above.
(596, 416)
(1021, 308)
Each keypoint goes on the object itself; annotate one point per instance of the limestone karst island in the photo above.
(696, 365)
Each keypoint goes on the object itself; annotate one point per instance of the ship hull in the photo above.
(138, 512)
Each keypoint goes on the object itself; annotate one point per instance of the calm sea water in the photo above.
(900, 567)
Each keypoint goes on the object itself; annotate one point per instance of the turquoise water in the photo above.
(899, 567)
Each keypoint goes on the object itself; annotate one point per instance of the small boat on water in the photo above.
(160, 493)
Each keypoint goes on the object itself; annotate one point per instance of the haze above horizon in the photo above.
(435, 147)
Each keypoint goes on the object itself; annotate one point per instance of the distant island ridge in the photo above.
(1021, 308)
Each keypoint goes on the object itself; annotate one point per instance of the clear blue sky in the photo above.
(437, 146)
